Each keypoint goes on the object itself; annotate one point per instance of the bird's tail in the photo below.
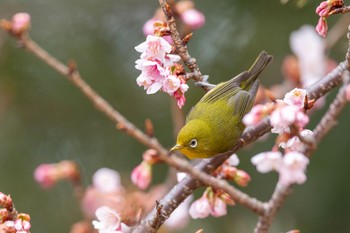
(259, 65)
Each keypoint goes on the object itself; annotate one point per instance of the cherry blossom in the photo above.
(20, 23)
(154, 47)
(212, 202)
(267, 161)
(106, 180)
(293, 168)
(141, 175)
(296, 97)
(257, 113)
(294, 143)
(193, 18)
(159, 70)
(108, 220)
(285, 115)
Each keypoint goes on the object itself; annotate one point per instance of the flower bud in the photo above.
(20, 23)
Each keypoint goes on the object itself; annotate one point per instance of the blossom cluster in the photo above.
(159, 70)
(10, 220)
(324, 10)
(213, 202)
(285, 115)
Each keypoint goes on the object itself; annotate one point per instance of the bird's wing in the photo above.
(243, 101)
(225, 90)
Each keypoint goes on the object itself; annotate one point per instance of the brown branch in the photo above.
(272, 206)
(180, 46)
(100, 103)
(341, 10)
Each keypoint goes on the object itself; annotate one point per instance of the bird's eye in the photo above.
(193, 143)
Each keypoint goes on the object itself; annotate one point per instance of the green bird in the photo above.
(214, 125)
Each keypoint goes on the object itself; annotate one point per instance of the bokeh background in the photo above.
(44, 119)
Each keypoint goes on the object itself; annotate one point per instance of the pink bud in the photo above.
(6, 201)
(20, 23)
(322, 27)
(148, 28)
(46, 175)
(193, 18)
(4, 215)
(242, 178)
(323, 9)
(141, 175)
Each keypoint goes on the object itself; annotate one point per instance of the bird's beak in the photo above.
(176, 147)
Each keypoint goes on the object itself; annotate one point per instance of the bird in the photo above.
(214, 125)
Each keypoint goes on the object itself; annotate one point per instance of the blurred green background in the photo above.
(44, 119)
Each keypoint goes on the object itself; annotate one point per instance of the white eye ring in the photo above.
(193, 143)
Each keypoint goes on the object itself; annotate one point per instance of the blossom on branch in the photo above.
(291, 166)
(108, 220)
(324, 10)
(286, 115)
(141, 175)
(292, 169)
(212, 202)
(159, 71)
(294, 143)
(48, 175)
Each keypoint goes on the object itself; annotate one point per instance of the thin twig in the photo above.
(181, 47)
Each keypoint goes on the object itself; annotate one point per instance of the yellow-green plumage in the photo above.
(215, 125)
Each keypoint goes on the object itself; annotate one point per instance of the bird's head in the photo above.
(194, 140)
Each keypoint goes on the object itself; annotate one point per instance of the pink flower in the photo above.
(294, 143)
(141, 175)
(322, 27)
(219, 208)
(212, 202)
(152, 75)
(20, 23)
(295, 97)
(22, 226)
(108, 220)
(46, 175)
(193, 18)
(292, 169)
(285, 115)
(323, 9)
(257, 113)
(148, 28)
(171, 84)
(154, 47)
(267, 161)
(107, 180)
(200, 208)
